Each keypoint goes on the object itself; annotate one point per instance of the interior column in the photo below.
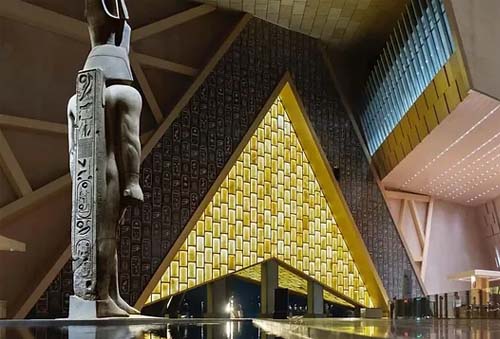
(216, 299)
(269, 282)
(315, 307)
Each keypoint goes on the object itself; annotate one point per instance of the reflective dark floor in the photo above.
(260, 329)
(383, 328)
(185, 330)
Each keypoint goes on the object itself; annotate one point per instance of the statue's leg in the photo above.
(116, 97)
(106, 240)
(129, 103)
(114, 291)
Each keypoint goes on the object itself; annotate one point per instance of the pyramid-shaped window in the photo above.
(272, 203)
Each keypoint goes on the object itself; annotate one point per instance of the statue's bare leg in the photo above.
(114, 292)
(116, 99)
(106, 239)
(129, 104)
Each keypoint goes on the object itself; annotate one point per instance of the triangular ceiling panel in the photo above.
(277, 198)
(7, 194)
(190, 43)
(36, 151)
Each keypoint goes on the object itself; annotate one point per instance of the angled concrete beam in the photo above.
(63, 25)
(146, 88)
(11, 245)
(165, 65)
(43, 18)
(406, 195)
(12, 169)
(428, 228)
(32, 124)
(418, 224)
(43, 284)
(29, 201)
(171, 21)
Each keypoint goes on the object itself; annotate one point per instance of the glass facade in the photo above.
(270, 205)
(418, 48)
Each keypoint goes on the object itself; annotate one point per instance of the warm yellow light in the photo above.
(270, 205)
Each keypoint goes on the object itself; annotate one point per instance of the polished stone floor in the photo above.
(382, 328)
(157, 328)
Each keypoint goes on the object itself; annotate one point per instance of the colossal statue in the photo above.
(105, 153)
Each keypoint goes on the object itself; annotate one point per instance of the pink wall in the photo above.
(457, 243)
(489, 216)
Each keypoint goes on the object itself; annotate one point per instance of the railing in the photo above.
(472, 304)
(418, 48)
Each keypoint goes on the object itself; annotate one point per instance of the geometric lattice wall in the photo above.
(270, 205)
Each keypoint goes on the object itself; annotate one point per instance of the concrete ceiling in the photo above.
(358, 25)
(459, 160)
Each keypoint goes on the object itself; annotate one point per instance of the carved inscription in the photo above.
(89, 139)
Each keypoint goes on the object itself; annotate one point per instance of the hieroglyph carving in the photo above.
(89, 180)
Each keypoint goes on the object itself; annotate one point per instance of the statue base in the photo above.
(80, 309)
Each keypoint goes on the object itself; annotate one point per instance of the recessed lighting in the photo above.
(453, 144)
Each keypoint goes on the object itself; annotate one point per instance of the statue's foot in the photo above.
(107, 308)
(125, 306)
(133, 191)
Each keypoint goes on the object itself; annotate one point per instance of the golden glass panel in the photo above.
(192, 270)
(183, 274)
(216, 260)
(191, 240)
(182, 259)
(201, 258)
(200, 245)
(232, 246)
(223, 241)
(270, 204)
(223, 257)
(191, 253)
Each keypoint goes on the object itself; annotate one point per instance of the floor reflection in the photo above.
(379, 328)
(195, 330)
(261, 329)
(227, 330)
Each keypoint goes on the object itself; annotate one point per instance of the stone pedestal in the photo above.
(315, 306)
(80, 309)
(269, 282)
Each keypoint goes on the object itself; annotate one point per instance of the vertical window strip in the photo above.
(416, 51)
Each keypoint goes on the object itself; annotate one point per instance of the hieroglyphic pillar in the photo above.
(89, 181)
